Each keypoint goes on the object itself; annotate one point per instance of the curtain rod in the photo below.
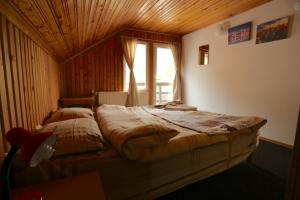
(155, 40)
(154, 32)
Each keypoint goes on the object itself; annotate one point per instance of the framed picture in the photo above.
(272, 30)
(240, 33)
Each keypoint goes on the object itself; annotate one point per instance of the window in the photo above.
(139, 69)
(164, 73)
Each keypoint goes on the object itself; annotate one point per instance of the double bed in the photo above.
(132, 169)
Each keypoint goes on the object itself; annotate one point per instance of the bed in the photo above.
(156, 171)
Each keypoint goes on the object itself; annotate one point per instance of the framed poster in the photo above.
(240, 33)
(276, 29)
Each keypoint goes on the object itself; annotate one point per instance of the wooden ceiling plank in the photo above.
(111, 16)
(174, 12)
(80, 9)
(72, 16)
(90, 21)
(194, 10)
(104, 9)
(203, 11)
(129, 10)
(184, 10)
(111, 19)
(63, 14)
(76, 24)
(69, 26)
(41, 13)
(149, 23)
(86, 16)
(153, 12)
(221, 14)
(148, 5)
(35, 14)
(96, 20)
(17, 18)
(57, 19)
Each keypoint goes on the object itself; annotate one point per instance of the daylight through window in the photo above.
(139, 69)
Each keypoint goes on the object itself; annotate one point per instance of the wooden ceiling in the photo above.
(69, 26)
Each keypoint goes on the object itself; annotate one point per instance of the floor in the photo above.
(243, 182)
(274, 158)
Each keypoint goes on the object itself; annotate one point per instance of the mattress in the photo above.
(127, 179)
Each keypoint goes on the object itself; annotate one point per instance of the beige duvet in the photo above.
(119, 124)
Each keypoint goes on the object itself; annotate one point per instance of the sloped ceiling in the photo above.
(69, 26)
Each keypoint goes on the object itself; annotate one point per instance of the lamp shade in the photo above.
(39, 147)
(35, 147)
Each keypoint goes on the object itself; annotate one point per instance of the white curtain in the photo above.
(129, 47)
(176, 52)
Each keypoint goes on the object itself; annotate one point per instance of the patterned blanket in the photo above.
(207, 122)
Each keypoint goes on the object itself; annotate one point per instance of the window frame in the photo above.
(147, 69)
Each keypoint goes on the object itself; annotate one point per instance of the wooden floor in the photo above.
(243, 182)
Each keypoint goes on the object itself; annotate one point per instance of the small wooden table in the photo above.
(85, 186)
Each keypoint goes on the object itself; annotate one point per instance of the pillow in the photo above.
(75, 136)
(70, 113)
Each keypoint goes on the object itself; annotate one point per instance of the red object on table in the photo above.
(30, 195)
(18, 136)
(35, 148)
(30, 147)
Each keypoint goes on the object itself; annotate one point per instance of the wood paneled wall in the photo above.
(29, 81)
(101, 67)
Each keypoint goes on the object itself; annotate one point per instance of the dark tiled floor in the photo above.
(274, 158)
(243, 182)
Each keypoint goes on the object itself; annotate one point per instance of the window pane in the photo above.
(165, 71)
(140, 67)
(165, 74)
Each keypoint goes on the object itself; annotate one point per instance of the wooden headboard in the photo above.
(87, 102)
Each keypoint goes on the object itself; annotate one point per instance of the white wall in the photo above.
(245, 78)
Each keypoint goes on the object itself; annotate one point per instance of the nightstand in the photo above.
(85, 186)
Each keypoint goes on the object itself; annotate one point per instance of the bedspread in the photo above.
(115, 121)
(207, 122)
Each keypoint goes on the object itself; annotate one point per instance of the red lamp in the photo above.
(35, 148)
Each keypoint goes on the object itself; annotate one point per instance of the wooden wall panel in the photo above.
(98, 68)
(101, 67)
(29, 81)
